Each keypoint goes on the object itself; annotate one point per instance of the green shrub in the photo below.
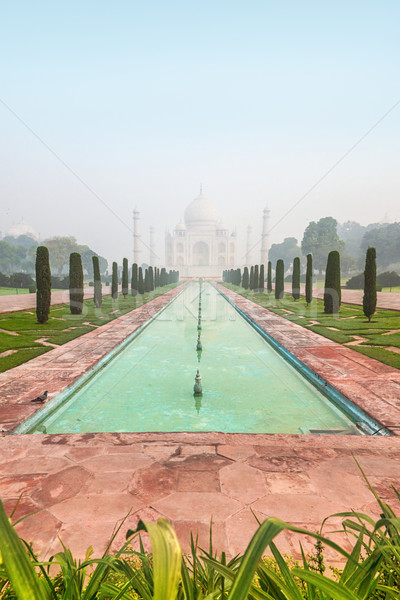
(134, 280)
(32, 288)
(75, 283)
(296, 278)
(97, 298)
(245, 280)
(369, 297)
(269, 277)
(332, 291)
(356, 282)
(125, 288)
(141, 282)
(279, 279)
(261, 283)
(43, 283)
(309, 279)
(114, 281)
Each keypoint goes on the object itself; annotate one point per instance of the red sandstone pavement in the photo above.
(15, 302)
(389, 300)
(82, 484)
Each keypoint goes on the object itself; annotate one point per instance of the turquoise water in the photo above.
(148, 386)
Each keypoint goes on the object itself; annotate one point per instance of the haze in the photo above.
(146, 100)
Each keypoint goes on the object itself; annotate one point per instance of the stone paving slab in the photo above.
(81, 485)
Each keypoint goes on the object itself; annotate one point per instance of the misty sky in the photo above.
(144, 100)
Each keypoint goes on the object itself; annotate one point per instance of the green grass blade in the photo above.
(334, 589)
(285, 572)
(19, 568)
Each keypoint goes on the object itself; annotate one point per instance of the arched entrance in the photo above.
(201, 254)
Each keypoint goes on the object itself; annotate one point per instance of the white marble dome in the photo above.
(200, 211)
(181, 226)
(23, 228)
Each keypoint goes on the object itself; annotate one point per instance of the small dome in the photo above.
(23, 228)
(221, 226)
(181, 226)
(200, 210)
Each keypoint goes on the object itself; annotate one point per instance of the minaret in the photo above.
(248, 246)
(152, 247)
(137, 251)
(265, 237)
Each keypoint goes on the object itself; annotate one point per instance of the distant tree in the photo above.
(60, 248)
(97, 282)
(386, 240)
(114, 281)
(319, 239)
(251, 284)
(356, 282)
(269, 277)
(286, 250)
(134, 280)
(369, 298)
(279, 279)
(140, 281)
(125, 284)
(87, 254)
(43, 284)
(332, 292)
(261, 282)
(387, 279)
(11, 257)
(245, 281)
(75, 284)
(296, 278)
(309, 279)
(20, 280)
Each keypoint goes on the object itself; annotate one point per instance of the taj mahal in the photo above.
(201, 245)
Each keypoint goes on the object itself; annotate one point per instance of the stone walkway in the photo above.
(15, 302)
(388, 300)
(82, 484)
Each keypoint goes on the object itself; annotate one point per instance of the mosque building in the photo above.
(201, 245)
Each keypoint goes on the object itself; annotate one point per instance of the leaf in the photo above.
(333, 588)
(167, 559)
(19, 568)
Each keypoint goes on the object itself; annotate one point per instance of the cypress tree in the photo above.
(369, 298)
(269, 277)
(151, 279)
(332, 293)
(114, 281)
(279, 279)
(140, 281)
(296, 278)
(43, 284)
(134, 280)
(245, 282)
(146, 285)
(251, 284)
(125, 277)
(97, 282)
(256, 278)
(75, 283)
(309, 279)
(163, 277)
(261, 283)
(156, 275)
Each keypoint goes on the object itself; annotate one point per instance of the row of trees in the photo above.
(18, 253)
(350, 239)
(332, 287)
(140, 282)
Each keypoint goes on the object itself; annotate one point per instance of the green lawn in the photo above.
(7, 291)
(20, 331)
(377, 337)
